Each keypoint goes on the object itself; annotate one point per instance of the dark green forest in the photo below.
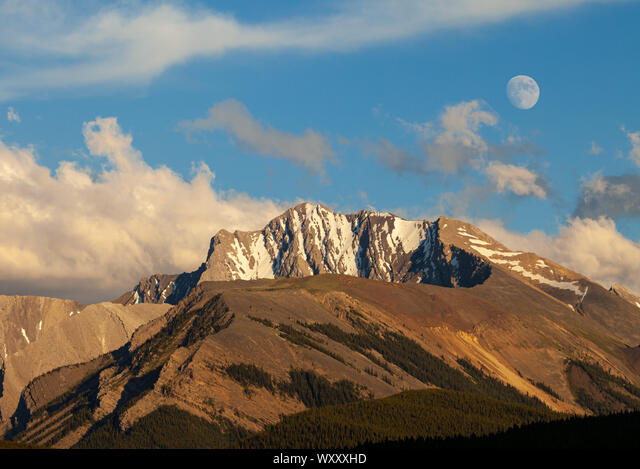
(614, 431)
(411, 414)
(165, 428)
(312, 389)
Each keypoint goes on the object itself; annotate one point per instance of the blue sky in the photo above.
(360, 79)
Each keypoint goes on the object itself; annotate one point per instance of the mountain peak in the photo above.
(311, 239)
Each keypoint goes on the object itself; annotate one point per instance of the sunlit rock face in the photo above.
(311, 239)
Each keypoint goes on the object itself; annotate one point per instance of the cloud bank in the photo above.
(593, 247)
(69, 45)
(310, 150)
(91, 236)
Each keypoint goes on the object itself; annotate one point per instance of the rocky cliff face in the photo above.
(311, 239)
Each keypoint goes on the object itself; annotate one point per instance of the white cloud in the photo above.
(595, 149)
(517, 179)
(134, 41)
(12, 115)
(593, 247)
(634, 140)
(310, 150)
(94, 235)
(458, 144)
(460, 124)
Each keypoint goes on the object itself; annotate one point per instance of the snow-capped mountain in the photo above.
(311, 239)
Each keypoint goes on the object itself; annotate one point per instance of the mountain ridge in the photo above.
(310, 239)
(31, 327)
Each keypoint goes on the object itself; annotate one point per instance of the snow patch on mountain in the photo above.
(540, 263)
(510, 260)
(573, 286)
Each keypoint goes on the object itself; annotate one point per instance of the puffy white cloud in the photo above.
(460, 124)
(135, 41)
(593, 247)
(310, 150)
(516, 179)
(12, 115)
(93, 235)
(457, 143)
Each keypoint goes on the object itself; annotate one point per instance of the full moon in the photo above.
(523, 92)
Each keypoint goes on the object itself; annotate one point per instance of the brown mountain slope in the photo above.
(625, 294)
(373, 334)
(40, 334)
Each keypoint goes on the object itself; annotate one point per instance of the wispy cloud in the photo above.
(595, 149)
(93, 235)
(127, 42)
(309, 150)
(12, 115)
